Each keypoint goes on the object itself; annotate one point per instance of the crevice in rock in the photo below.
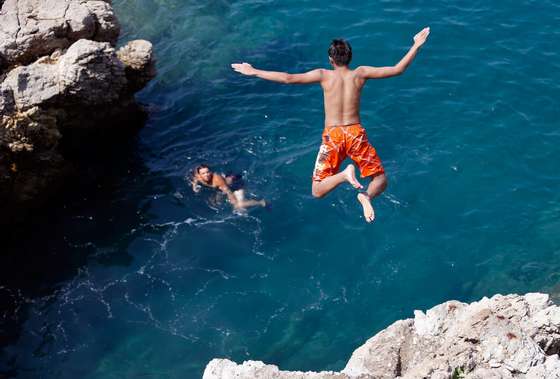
(18, 22)
(550, 348)
(398, 366)
(97, 23)
(66, 10)
(472, 340)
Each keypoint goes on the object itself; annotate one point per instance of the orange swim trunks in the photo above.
(340, 142)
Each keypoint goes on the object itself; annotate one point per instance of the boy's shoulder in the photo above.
(218, 180)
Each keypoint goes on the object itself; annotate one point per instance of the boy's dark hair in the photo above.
(340, 52)
(200, 167)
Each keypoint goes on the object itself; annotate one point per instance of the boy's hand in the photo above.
(243, 68)
(421, 37)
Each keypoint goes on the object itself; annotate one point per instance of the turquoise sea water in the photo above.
(140, 278)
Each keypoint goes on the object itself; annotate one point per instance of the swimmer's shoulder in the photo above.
(218, 180)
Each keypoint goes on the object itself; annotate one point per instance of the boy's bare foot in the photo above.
(350, 175)
(369, 213)
(263, 203)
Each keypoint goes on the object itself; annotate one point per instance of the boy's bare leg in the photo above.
(243, 203)
(375, 188)
(320, 189)
(252, 203)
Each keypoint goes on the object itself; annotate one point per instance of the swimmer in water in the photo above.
(229, 185)
(344, 135)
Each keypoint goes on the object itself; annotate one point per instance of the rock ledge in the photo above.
(498, 338)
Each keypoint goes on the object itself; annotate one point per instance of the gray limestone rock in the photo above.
(137, 57)
(82, 23)
(32, 85)
(30, 29)
(91, 73)
(108, 27)
(503, 337)
(60, 74)
(223, 368)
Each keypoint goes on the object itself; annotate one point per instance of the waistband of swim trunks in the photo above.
(333, 127)
(343, 126)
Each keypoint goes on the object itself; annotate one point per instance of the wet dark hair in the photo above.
(200, 167)
(340, 52)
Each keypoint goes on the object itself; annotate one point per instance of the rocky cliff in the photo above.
(502, 337)
(62, 82)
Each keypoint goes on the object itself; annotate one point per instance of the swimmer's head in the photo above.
(204, 172)
(340, 52)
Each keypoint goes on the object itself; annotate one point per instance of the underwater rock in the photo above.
(509, 336)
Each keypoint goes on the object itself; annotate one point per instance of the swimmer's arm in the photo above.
(222, 186)
(313, 76)
(195, 186)
(369, 72)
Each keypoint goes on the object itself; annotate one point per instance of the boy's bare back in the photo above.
(341, 94)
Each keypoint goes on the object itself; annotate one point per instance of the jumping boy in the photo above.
(344, 135)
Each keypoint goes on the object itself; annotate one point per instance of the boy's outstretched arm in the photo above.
(313, 76)
(368, 72)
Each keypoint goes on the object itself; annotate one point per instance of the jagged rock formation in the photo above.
(61, 79)
(33, 28)
(499, 338)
